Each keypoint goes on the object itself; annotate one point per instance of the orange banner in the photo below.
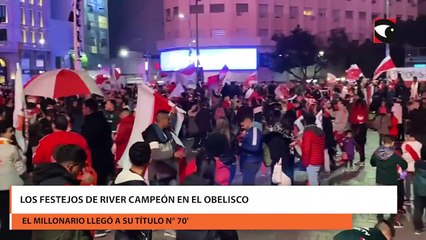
(181, 221)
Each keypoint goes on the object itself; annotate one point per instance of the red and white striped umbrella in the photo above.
(62, 83)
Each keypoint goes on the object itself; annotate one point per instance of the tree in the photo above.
(411, 32)
(297, 51)
(339, 51)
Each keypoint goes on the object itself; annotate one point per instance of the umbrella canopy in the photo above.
(62, 83)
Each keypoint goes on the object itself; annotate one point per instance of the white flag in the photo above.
(19, 112)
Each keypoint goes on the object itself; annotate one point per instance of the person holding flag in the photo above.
(12, 173)
(164, 167)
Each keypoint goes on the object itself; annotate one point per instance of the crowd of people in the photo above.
(234, 130)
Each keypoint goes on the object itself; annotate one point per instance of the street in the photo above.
(364, 176)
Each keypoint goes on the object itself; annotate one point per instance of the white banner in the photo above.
(203, 200)
(407, 74)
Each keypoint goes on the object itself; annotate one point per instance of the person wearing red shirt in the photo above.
(47, 145)
(124, 130)
(313, 146)
(60, 136)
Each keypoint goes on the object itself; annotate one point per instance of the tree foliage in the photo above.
(297, 51)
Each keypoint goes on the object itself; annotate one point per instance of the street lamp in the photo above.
(321, 53)
(124, 53)
(42, 41)
(182, 16)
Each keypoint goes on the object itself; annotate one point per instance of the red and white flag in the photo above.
(177, 92)
(19, 111)
(223, 72)
(148, 105)
(353, 73)
(189, 70)
(386, 65)
(213, 82)
(251, 80)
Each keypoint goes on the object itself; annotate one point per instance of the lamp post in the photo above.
(197, 43)
(387, 15)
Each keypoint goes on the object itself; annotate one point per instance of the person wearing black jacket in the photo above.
(140, 157)
(205, 175)
(204, 122)
(330, 142)
(70, 161)
(98, 135)
(165, 152)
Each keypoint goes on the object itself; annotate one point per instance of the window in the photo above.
(103, 39)
(40, 19)
(398, 17)
(103, 22)
(94, 49)
(349, 14)
(31, 1)
(24, 36)
(336, 13)
(3, 14)
(40, 63)
(3, 34)
(322, 12)
(263, 10)
(196, 9)
(263, 33)
(93, 43)
(308, 12)
(31, 13)
(374, 16)
(362, 16)
(168, 15)
(410, 18)
(242, 8)
(294, 12)
(42, 39)
(278, 11)
(92, 21)
(22, 1)
(218, 33)
(278, 32)
(33, 37)
(23, 18)
(217, 8)
(242, 32)
(40, 3)
(175, 11)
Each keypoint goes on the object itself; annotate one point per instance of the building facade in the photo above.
(24, 30)
(252, 23)
(96, 33)
(422, 7)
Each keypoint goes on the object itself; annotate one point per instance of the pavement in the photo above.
(362, 177)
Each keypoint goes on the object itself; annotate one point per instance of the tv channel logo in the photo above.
(384, 30)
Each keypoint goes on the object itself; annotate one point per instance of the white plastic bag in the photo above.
(278, 177)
